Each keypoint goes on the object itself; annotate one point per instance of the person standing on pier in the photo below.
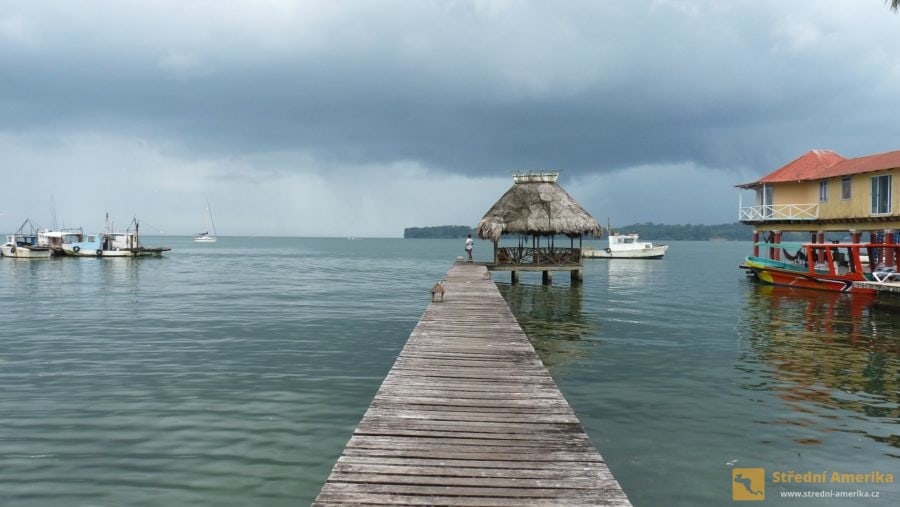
(469, 246)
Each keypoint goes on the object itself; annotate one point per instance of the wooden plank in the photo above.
(469, 415)
(373, 499)
(421, 469)
(511, 493)
(486, 466)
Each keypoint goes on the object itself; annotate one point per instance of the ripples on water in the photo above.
(222, 374)
(682, 368)
(234, 373)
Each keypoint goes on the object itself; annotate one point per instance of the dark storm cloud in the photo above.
(468, 87)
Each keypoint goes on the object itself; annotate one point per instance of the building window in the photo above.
(823, 191)
(881, 195)
(845, 187)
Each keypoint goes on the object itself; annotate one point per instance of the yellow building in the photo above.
(822, 192)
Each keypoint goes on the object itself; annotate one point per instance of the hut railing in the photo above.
(544, 256)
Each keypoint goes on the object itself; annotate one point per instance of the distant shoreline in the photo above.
(735, 231)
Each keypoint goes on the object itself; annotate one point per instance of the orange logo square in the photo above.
(748, 484)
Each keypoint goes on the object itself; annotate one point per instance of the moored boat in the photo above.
(54, 239)
(626, 246)
(821, 266)
(113, 244)
(24, 245)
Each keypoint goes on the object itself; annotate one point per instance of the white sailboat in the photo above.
(206, 237)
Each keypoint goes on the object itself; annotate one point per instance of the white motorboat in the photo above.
(24, 245)
(626, 246)
(20, 248)
(54, 239)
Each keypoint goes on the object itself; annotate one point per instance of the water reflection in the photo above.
(552, 318)
(633, 274)
(829, 356)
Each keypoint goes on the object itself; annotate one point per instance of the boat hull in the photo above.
(129, 252)
(785, 274)
(204, 239)
(655, 252)
(23, 252)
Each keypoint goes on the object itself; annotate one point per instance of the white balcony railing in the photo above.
(780, 212)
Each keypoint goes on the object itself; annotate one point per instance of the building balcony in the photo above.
(779, 212)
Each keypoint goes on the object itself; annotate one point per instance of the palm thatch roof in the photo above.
(536, 205)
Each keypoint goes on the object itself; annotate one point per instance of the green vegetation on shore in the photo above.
(653, 232)
(438, 232)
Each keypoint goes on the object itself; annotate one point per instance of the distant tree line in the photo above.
(438, 232)
(733, 232)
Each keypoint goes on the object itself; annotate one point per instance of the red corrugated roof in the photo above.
(807, 167)
(819, 164)
(880, 162)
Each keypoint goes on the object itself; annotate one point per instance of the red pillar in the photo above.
(756, 243)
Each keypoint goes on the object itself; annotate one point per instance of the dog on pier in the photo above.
(438, 289)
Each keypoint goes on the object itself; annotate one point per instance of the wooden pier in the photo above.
(469, 415)
(882, 287)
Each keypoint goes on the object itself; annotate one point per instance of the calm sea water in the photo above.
(234, 373)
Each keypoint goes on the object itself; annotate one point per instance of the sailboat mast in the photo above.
(213, 224)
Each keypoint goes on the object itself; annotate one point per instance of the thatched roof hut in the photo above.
(537, 206)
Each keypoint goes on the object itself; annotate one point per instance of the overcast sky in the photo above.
(360, 118)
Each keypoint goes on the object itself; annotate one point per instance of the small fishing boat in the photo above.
(822, 266)
(626, 246)
(206, 237)
(54, 239)
(113, 244)
(24, 245)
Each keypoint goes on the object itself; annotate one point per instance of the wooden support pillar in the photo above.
(873, 262)
(756, 243)
(854, 239)
(777, 241)
(577, 276)
(514, 277)
(547, 277)
(888, 248)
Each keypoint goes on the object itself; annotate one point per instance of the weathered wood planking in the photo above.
(468, 415)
